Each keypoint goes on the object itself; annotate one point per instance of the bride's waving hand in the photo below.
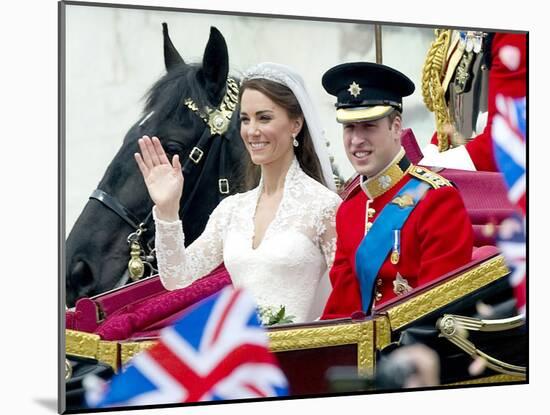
(164, 180)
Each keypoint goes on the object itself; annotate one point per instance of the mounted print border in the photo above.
(110, 56)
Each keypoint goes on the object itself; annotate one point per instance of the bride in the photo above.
(276, 240)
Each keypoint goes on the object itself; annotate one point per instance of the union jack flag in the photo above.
(217, 351)
(509, 143)
(511, 241)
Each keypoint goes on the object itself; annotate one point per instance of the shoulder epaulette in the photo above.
(433, 179)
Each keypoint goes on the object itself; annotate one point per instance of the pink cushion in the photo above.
(69, 320)
(484, 252)
(484, 194)
(157, 311)
(485, 198)
(88, 311)
(84, 317)
(112, 301)
(412, 149)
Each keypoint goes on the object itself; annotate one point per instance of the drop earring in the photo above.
(295, 142)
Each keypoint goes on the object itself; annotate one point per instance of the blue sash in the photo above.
(378, 241)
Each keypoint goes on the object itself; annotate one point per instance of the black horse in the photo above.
(192, 109)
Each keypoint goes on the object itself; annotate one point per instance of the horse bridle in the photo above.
(217, 122)
(139, 257)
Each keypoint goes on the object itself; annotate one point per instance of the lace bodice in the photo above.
(285, 269)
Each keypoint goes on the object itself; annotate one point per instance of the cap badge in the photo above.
(354, 89)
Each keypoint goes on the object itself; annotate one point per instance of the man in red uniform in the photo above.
(404, 225)
(502, 69)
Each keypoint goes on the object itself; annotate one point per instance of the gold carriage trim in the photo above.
(360, 333)
(447, 292)
(383, 331)
(280, 340)
(91, 346)
(129, 349)
(489, 380)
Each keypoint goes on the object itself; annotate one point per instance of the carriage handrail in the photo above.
(454, 328)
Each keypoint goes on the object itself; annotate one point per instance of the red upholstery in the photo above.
(484, 193)
(70, 320)
(485, 197)
(412, 149)
(484, 252)
(84, 317)
(114, 300)
(156, 311)
(88, 311)
(118, 314)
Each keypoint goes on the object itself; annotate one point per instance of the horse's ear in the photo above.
(215, 66)
(171, 56)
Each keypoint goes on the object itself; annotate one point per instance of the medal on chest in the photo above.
(396, 251)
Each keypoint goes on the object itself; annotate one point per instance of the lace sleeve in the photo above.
(326, 230)
(179, 266)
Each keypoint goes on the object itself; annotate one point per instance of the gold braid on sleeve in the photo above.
(432, 89)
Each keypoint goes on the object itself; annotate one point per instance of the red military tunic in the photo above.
(436, 238)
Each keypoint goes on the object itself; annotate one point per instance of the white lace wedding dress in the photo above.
(284, 270)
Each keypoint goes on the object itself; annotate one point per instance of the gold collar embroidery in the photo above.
(382, 182)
